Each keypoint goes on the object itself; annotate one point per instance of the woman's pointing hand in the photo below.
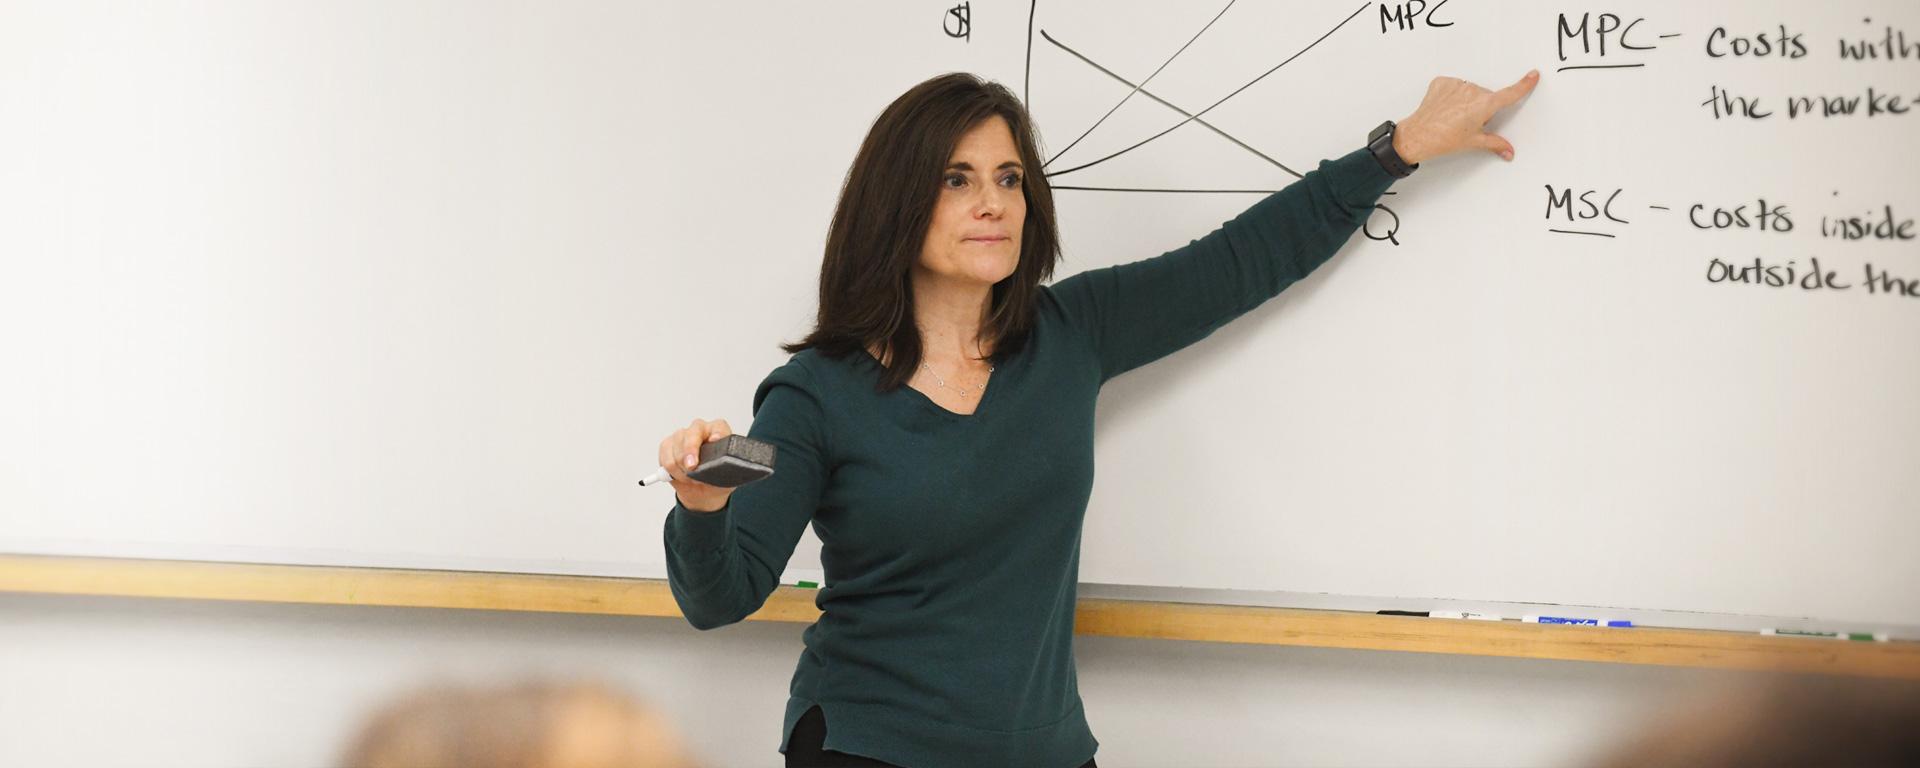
(1453, 117)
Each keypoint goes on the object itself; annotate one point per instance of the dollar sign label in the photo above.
(959, 22)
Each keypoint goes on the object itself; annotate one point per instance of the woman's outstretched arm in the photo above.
(1138, 312)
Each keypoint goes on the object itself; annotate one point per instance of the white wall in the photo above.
(103, 682)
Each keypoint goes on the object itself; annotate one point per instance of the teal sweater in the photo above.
(951, 542)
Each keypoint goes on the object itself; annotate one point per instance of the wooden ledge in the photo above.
(1101, 617)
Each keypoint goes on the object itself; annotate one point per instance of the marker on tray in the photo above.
(1861, 637)
(1575, 621)
(1443, 615)
(1463, 615)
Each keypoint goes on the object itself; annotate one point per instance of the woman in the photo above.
(937, 425)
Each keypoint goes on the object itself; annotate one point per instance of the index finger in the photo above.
(1512, 94)
(690, 444)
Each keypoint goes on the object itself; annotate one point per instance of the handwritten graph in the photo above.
(1384, 226)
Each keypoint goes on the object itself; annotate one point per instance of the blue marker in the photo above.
(1536, 619)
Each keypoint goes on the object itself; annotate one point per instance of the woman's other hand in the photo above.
(1453, 117)
(680, 452)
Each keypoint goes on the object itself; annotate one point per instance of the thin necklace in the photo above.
(943, 382)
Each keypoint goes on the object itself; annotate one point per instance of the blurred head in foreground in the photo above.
(530, 725)
(1786, 720)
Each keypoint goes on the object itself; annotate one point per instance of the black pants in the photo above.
(804, 748)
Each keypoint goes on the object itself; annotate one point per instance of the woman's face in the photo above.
(975, 234)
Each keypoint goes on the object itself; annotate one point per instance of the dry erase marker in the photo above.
(1463, 615)
(1443, 615)
(1574, 621)
(1863, 637)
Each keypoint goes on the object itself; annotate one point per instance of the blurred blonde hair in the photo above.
(1783, 721)
(524, 725)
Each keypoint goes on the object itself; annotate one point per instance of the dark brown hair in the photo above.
(880, 224)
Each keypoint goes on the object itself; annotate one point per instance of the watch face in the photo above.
(1380, 131)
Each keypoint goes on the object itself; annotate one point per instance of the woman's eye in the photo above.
(1011, 180)
(954, 181)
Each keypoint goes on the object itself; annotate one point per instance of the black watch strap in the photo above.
(1380, 143)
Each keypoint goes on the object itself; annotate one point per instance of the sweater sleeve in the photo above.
(722, 565)
(1139, 312)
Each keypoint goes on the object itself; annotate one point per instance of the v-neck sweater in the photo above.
(951, 542)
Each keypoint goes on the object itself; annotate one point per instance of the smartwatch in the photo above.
(1380, 143)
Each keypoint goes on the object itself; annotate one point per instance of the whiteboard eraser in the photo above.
(733, 461)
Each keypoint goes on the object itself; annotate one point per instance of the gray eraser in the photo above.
(733, 461)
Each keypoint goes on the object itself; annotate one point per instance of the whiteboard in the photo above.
(424, 284)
